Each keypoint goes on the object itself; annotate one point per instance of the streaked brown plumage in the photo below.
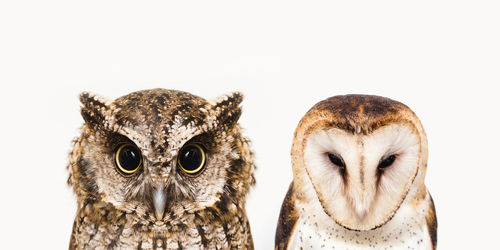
(201, 210)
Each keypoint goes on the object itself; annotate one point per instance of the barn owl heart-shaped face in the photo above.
(361, 179)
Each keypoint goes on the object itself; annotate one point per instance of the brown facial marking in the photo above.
(157, 111)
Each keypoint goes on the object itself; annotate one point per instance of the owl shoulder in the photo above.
(287, 220)
(431, 221)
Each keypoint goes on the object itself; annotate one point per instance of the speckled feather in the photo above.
(305, 222)
(206, 210)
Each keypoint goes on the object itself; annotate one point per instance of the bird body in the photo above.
(161, 169)
(100, 225)
(311, 228)
(359, 166)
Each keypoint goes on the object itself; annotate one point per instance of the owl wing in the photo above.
(72, 241)
(431, 220)
(287, 220)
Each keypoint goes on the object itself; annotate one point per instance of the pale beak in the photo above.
(361, 214)
(159, 202)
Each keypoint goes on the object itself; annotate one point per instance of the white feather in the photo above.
(359, 199)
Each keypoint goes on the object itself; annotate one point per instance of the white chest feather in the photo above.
(406, 230)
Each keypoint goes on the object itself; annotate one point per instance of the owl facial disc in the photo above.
(360, 156)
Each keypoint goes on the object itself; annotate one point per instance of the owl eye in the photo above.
(336, 160)
(387, 162)
(191, 158)
(128, 158)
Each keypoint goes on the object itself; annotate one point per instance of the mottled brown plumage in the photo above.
(123, 211)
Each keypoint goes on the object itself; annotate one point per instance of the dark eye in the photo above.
(191, 158)
(128, 159)
(387, 162)
(336, 160)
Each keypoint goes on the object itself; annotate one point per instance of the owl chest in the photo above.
(320, 232)
(128, 232)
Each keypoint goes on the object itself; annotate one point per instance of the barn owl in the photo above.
(359, 164)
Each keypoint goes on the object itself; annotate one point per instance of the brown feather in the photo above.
(432, 224)
(203, 210)
(287, 220)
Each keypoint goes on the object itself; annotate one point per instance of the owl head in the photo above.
(359, 157)
(161, 153)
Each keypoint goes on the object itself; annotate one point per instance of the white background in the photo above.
(441, 58)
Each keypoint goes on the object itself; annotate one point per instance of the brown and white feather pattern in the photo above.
(206, 210)
(354, 201)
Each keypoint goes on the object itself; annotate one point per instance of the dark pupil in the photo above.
(336, 160)
(129, 158)
(190, 158)
(387, 161)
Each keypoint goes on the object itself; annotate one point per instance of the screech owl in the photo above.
(359, 164)
(161, 169)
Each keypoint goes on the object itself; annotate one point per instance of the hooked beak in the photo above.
(361, 201)
(361, 205)
(361, 214)
(159, 202)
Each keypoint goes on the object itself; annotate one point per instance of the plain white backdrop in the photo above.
(441, 58)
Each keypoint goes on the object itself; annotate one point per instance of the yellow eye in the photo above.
(128, 159)
(191, 158)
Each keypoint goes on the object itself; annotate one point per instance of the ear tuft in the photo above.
(94, 108)
(227, 108)
(234, 98)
